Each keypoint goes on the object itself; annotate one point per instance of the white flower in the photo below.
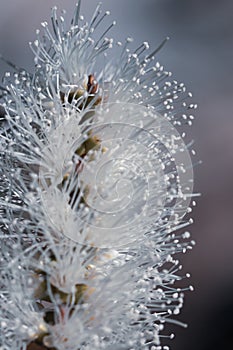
(95, 182)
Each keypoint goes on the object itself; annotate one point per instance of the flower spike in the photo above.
(96, 183)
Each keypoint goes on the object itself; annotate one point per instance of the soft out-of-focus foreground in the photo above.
(200, 53)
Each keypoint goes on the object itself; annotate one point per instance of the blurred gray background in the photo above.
(200, 53)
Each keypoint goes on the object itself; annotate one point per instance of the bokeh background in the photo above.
(200, 53)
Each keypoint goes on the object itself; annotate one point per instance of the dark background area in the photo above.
(200, 53)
